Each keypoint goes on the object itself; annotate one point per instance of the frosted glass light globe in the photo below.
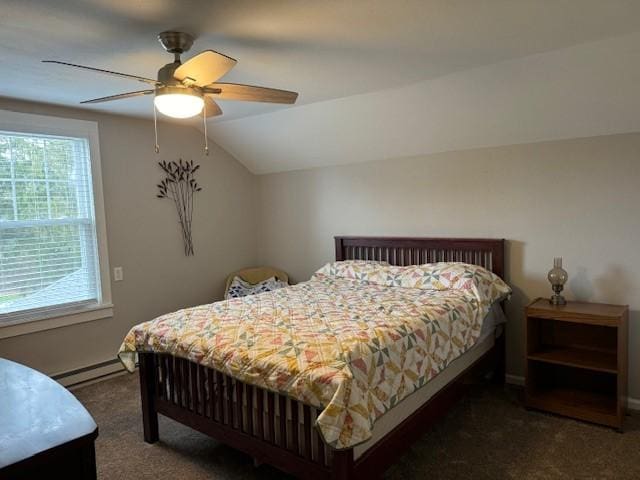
(179, 105)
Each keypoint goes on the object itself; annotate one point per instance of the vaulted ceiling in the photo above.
(377, 79)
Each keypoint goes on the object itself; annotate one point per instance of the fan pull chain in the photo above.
(155, 127)
(206, 138)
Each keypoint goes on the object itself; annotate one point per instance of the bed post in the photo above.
(147, 367)
(339, 249)
(501, 360)
(342, 464)
(497, 258)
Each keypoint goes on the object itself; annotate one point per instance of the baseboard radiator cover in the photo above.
(90, 374)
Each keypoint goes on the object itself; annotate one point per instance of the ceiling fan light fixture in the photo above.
(185, 89)
(178, 102)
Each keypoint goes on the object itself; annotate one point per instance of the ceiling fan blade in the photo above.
(212, 109)
(107, 72)
(204, 68)
(251, 93)
(119, 96)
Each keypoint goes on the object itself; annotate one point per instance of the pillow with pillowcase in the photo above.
(240, 288)
(356, 269)
(480, 282)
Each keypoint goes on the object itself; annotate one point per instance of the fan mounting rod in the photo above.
(176, 42)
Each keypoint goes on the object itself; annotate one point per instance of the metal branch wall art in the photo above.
(180, 185)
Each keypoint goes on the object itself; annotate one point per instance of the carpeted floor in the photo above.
(488, 435)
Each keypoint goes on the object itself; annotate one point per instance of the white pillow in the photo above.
(240, 288)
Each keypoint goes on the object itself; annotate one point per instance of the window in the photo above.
(52, 248)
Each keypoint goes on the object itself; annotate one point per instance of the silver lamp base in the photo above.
(557, 299)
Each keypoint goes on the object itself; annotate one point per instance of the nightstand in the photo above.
(577, 360)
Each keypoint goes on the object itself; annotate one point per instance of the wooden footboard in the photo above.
(249, 418)
(272, 428)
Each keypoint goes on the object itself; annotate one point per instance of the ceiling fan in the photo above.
(183, 90)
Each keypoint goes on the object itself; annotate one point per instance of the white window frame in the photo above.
(30, 321)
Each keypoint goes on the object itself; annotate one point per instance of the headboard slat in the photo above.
(486, 252)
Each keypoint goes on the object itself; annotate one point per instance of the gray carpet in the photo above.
(488, 435)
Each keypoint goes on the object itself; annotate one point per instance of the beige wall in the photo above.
(574, 198)
(143, 236)
(577, 199)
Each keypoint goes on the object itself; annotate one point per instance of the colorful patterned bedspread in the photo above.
(354, 340)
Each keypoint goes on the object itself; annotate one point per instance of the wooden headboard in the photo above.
(486, 252)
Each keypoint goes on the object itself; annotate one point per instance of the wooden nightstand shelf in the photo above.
(577, 360)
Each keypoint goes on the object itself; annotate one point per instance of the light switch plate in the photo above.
(118, 274)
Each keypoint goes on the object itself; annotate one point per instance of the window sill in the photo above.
(55, 319)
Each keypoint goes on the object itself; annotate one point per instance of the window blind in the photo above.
(48, 245)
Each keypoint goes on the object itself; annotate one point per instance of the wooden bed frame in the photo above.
(179, 389)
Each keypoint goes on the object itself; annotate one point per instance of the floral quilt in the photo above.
(354, 340)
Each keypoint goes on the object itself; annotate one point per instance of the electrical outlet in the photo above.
(117, 274)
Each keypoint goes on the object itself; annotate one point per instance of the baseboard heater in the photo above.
(90, 373)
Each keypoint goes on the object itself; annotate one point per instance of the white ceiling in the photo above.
(408, 53)
(585, 90)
